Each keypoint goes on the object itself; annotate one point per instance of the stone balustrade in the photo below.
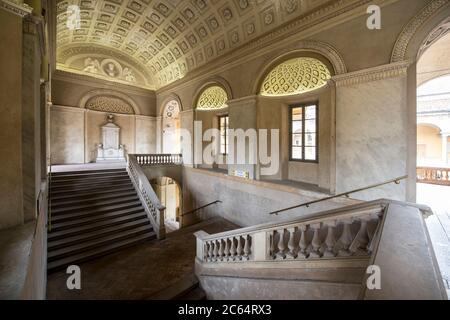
(158, 159)
(440, 176)
(153, 207)
(336, 235)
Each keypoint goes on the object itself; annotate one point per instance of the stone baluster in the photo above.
(272, 245)
(206, 251)
(221, 250)
(302, 243)
(330, 240)
(315, 243)
(210, 251)
(291, 254)
(246, 248)
(226, 251)
(232, 249)
(346, 239)
(239, 248)
(281, 246)
(361, 239)
(216, 250)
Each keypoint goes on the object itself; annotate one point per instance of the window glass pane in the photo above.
(310, 126)
(310, 112)
(297, 127)
(297, 140)
(310, 140)
(297, 114)
(297, 153)
(310, 153)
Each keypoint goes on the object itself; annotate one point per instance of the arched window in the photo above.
(295, 76)
(213, 97)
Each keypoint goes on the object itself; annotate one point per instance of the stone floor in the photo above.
(89, 166)
(437, 197)
(15, 245)
(136, 273)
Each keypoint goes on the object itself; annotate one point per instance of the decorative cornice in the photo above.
(243, 100)
(392, 70)
(408, 32)
(82, 79)
(17, 7)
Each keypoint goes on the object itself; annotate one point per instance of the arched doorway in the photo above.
(171, 128)
(169, 193)
(433, 143)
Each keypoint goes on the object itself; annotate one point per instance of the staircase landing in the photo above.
(144, 271)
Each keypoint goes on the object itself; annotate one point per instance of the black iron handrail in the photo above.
(199, 208)
(344, 194)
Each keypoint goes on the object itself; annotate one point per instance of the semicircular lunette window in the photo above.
(295, 76)
(213, 97)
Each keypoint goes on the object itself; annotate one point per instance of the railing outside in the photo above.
(440, 176)
(339, 233)
(158, 159)
(153, 207)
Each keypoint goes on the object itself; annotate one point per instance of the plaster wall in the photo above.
(248, 202)
(371, 137)
(11, 211)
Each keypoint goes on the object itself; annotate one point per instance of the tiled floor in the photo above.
(139, 272)
(438, 198)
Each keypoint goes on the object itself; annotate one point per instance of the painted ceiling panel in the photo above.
(152, 43)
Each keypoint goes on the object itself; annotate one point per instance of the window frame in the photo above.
(291, 133)
(227, 117)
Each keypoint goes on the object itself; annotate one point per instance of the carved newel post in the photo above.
(110, 149)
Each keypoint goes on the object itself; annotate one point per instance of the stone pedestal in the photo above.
(110, 149)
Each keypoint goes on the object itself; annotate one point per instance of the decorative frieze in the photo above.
(16, 6)
(387, 71)
(408, 32)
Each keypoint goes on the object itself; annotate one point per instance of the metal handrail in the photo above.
(199, 208)
(346, 194)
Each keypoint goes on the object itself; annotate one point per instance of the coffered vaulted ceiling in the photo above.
(151, 43)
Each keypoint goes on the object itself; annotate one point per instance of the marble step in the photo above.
(87, 172)
(96, 233)
(98, 204)
(97, 218)
(99, 185)
(131, 206)
(88, 181)
(55, 204)
(89, 188)
(96, 243)
(73, 231)
(86, 178)
(99, 252)
(91, 193)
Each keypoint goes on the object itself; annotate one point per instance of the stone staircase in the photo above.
(93, 213)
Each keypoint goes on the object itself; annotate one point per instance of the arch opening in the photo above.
(170, 196)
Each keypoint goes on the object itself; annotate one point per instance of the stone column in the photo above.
(11, 210)
(31, 120)
(444, 137)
